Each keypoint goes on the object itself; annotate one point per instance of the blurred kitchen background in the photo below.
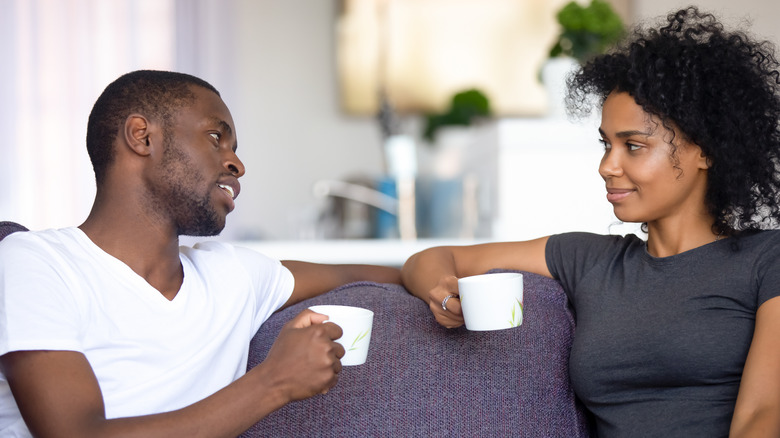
(369, 128)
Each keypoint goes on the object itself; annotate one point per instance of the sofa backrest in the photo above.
(7, 228)
(421, 379)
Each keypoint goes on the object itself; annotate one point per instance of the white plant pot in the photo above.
(554, 74)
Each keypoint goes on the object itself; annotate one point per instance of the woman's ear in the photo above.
(136, 134)
(704, 161)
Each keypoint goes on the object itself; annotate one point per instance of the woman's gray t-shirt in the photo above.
(660, 343)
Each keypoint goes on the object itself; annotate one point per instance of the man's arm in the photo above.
(59, 396)
(312, 279)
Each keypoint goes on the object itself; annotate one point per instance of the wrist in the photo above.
(271, 391)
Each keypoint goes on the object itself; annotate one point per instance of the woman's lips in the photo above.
(617, 195)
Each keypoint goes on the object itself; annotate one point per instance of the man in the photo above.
(112, 329)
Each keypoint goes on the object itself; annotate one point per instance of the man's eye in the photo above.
(216, 135)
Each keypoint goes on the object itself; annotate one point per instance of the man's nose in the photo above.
(234, 165)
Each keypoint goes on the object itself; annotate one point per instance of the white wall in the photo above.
(291, 130)
(762, 15)
(58, 56)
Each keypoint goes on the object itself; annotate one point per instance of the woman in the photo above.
(678, 335)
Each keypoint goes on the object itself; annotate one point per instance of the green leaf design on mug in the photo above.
(358, 339)
(516, 318)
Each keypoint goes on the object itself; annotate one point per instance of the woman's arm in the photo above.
(433, 274)
(312, 279)
(757, 412)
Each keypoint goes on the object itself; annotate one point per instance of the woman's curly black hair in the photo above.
(720, 90)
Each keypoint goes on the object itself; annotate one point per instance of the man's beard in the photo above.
(195, 217)
(177, 195)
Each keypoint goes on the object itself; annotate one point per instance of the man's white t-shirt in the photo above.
(60, 291)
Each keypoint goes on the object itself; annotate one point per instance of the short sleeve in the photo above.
(38, 311)
(572, 256)
(271, 282)
(768, 271)
(270, 276)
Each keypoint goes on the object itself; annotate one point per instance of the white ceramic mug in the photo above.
(492, 301)
(356, 323)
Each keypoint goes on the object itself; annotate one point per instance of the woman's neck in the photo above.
(668, 238)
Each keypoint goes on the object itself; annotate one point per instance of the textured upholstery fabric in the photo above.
(423, 380)
(7, 228)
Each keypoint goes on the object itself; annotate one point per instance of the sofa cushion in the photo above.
(421, 379)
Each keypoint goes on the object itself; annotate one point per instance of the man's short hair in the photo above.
(154, 94)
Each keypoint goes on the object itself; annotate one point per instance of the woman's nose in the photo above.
(610, 164)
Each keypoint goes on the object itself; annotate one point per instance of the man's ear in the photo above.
(137, 131)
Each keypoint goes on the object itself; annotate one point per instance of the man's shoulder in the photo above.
(207, 245)
(212, 250)
(30, 240)
(221, 261)
(208, 250)
(52, 253)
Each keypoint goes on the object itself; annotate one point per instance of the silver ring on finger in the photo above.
(444, 302)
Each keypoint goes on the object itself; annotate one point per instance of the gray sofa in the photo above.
(421, 380)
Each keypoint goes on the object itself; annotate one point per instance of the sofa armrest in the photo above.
(421, 379)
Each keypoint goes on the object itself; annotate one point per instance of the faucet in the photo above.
(402, 207)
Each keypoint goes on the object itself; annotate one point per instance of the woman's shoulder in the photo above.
(760, 240)
(757, 244)
(582, 247)
(585, 238)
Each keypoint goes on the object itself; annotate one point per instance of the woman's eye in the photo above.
(633, 147)
(604, 143)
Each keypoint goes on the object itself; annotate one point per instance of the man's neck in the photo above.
(150, 249)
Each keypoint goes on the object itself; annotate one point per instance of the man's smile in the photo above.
(228, 190)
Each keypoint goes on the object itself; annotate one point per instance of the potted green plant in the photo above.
(586, 30)
(465, 108)
(457, 168)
